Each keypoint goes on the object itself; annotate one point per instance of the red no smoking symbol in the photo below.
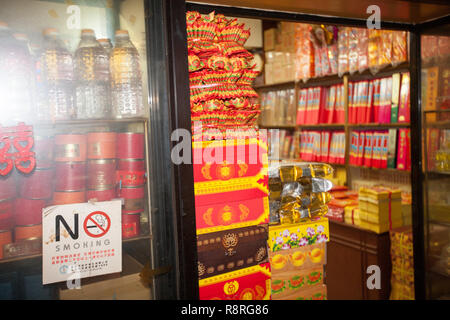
(97, 224)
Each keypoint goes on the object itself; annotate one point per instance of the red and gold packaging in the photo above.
(28, 211)
(5, 238)
(37, 185)
(70, 147)
(68, 197)
(101, 173)
(251, 283)
(28, 232)
(130, 145)
(131, 225)
(6, 214)
(101, 145)
(70, 176)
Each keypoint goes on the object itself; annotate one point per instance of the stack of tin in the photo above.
(70, 169)
(131, 173)
(35, 192)
(7, 194)
(101, 153)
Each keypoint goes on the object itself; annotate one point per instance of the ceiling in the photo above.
(400, 11)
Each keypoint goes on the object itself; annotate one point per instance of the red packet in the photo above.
(384, 149)
(354, 147)
(325, 141)
(376, 144)
(404, 109)
(369, 105)
(331, 104)
(342, 148)
(339, 106)
(301, 107)
(408, 149)
(350, 100)
(376, 100)
(402, 150)
(309, 106)
(368, 149)
(361, 117)
(361, 142)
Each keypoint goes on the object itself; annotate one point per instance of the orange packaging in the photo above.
(70, 147)
(28, 232)
(374, 49)
(69, 197)
(101, 145)
(5, 238)
(385, 51)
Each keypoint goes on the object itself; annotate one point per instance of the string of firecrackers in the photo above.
(264, 269)
(262, 217)
(258, 181)
(20, 134)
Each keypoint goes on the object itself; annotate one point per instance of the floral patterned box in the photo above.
(306, 257)
(314, 293)
(312, 231)
(251, 283)
(287, 283)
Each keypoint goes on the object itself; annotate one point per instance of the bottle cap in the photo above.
(121, 32)
(87, 32)
(50, 31)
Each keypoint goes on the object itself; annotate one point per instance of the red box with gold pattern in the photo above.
(234, 193)
(251, 283)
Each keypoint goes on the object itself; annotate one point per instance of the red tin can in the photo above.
(130, 145)
(131, 165)
(6, 214)
(131, 225)
(70, 147)
(5, 238)
(101, 194)
(27, 232)
(101, 145)
(69, 197)
(37, 185)
(70, 176)
(101, 174)
(8, 186)
(28, 211)
(134, 198)
(43, 149)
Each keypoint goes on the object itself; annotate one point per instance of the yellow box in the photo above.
(308, 232)
(270, 36)
(352, 215)
(376, 218)
(381, 228)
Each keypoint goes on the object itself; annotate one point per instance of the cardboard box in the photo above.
(315, 293)
(251, 283)
(308, 232)
(306, 257)
(269, 56)
(288, 283)
(270, 38)
(229, 250)
(268, 73)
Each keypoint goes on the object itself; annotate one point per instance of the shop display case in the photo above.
(435, 75)
(85, 127)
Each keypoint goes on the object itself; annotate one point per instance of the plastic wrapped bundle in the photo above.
(298, 191)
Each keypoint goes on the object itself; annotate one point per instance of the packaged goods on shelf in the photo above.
(384, 100)
(402, 276)
(380, 208)
(252, 283)
(278, 108)
(323, 146)
(295, 282)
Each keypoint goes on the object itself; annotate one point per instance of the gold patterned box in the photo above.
(301, 258)
(229, 250)
(251, 283)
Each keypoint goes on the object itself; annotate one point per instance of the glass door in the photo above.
(435, 75)
(79, 191)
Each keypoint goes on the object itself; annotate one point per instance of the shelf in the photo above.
(321, 126)
(438, 173)
(280, 85)
(35, 256)
(86, 122)
(385, 72)
(321, 81)
(379, 125)
(438, 124)
(380, 169)
(288, 127)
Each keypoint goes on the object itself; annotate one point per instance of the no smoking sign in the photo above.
(97, 224)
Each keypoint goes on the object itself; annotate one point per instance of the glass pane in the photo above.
(74, 186)
(436, 125)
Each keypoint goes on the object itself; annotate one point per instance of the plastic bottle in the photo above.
(126, 83)
(107, 45)
(91, 68)
(55, 79)
(16, 78)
